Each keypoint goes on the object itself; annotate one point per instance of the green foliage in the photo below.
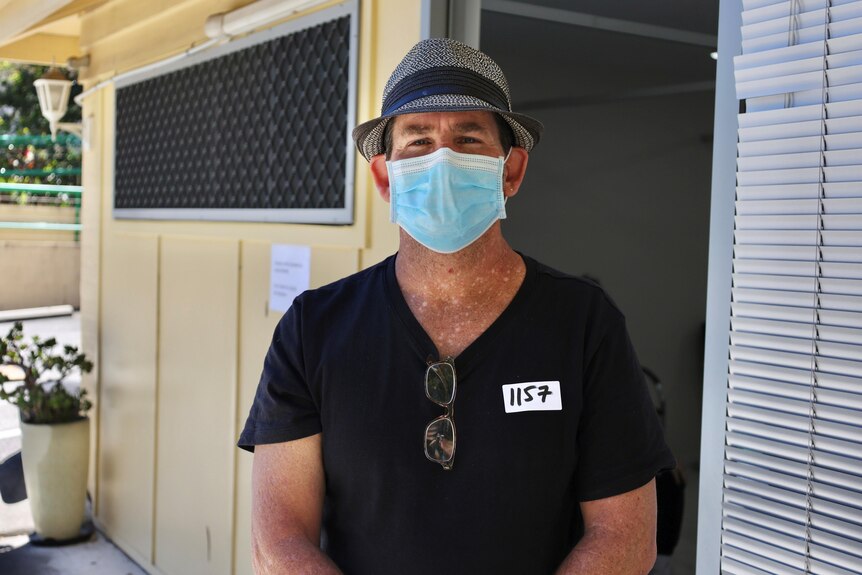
(41, 396)
(47, 159)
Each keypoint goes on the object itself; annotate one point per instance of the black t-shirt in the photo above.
(348, 360)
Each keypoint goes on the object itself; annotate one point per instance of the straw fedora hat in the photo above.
(444, 75)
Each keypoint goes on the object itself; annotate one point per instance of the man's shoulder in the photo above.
(581, 291)
(356, 286)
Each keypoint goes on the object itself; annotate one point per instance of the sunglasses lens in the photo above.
(440, 440)
(440, 383)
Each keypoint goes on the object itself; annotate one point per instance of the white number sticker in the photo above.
(532, 396)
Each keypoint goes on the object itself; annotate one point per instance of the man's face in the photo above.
(472, 132)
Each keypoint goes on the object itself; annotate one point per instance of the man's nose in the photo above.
(444, 142)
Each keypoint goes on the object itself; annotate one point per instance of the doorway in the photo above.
(619, 187)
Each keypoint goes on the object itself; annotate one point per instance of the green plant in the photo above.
(40, 395)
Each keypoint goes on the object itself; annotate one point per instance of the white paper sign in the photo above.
(289, 276)
(532, 396)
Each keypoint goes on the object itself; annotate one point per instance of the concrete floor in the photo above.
(98, 556)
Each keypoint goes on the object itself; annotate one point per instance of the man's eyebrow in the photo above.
(414, 129)
(464, 127)
(460, 128)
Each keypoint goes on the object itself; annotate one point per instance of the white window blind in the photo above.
(792, 499)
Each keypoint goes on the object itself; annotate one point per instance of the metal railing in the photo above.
(72, 194)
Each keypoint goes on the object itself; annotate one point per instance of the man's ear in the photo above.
(380, 175)
(514, 170)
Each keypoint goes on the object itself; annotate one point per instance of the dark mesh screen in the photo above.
(263, 127)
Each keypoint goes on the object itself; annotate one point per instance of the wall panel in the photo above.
(257, 324)
(256, 327)
(196, 405)
(127, 401)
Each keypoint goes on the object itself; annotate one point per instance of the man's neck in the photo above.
(456, 297)
(480, 270)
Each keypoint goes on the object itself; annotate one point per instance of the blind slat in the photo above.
(805, 98)
(804, 222)
(832, 238)
(798, 299)
(831, 142)
(822, 270)
(798, 114)
(768, 281)
(799, 191)
(799, 253)
(777, 161)
(810, 206)
(815, 127)
(797, 329)
(798, 314)
(800, 175)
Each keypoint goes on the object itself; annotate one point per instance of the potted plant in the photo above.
(55, 430)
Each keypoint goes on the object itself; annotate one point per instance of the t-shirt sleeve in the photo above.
(620, 440)
(284, 408)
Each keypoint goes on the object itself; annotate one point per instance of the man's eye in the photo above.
(420, 142)
(469, 140)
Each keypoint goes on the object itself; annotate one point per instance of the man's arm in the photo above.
(619, 535)
(287, 502)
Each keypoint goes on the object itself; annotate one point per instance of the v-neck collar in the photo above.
(421, 341)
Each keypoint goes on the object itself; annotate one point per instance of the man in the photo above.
(539, 440)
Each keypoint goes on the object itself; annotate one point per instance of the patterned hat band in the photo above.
(444, 75)
(444, 80)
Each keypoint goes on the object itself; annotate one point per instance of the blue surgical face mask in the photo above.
(446, 200)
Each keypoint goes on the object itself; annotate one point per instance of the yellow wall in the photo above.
(46, 264)
(176, 313)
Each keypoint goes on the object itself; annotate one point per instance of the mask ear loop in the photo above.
(506, 159)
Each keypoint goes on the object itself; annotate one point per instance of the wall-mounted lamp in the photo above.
(53, 90)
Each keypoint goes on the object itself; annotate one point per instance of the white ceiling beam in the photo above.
(18, 17)
(599, 22)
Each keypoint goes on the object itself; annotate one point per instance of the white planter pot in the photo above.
(56, 459)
